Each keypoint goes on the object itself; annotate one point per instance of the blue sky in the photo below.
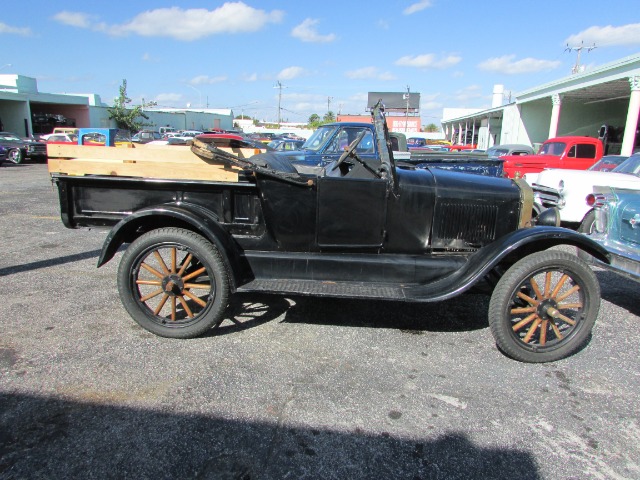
(325, 54)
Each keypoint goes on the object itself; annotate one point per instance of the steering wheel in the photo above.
(350, 151)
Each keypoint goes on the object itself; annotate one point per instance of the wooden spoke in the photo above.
(516, 311)
(543, 332)
(151, 295)
(547, 284)
(566, 319)
(572, 290)
(161, 262)
(532, 330)
(559, 285)
(148, 282)
(535, 287)
(152, 270)
(197, 286)
(185, 264)
(564, 306)
(198, 300)
(556, 331)
(524, 322)
(186, 307)
(174, 259)
(527, 298)
(194, 274)
(173, 309)
(161, 304)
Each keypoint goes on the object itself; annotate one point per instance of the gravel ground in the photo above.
(288, 388)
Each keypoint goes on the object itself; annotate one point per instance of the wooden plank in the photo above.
(150, 153)
(147, 169)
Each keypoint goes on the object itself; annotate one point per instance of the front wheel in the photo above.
(15, 155)
(544, 307)
(173, 282)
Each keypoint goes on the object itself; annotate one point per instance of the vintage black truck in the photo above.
(361, 227)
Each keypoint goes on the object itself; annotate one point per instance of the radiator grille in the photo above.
(472, 224)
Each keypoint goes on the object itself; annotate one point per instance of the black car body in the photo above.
(19, 149)
(361, 227)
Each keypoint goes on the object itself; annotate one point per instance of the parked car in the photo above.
(19, 149)
(567, 189)
(617, 228)
(234, 141)
(509, 149)
(146, 136)
(286, 145)
(62, 138)
(3, 154)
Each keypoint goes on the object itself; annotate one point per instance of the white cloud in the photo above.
(472, 92)
(369, 73)
(4, 28)
(290, 73)
(509, 66)
(181, 24)
(168, 98)
(307, 32)
(207, 80)
(428, 60)
(416, 7)
(74, 19)
(253, 77)
(607, 36)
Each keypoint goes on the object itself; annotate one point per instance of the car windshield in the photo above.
(631, 165)
(552, 148)
(607, 163)
(317, 140)
(9, 137)
(497, 152)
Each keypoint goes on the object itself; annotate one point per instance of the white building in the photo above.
(579, 104)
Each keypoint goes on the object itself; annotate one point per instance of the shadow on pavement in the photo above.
(54, 438)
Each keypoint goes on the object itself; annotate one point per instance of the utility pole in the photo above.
(329, 104)
(577, 67)
(406, 97)
(280, 87)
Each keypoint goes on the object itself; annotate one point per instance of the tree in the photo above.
(329, 117)
(432, 127)
(127, 118)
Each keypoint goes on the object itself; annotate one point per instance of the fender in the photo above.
(514, 245)
(201, 220)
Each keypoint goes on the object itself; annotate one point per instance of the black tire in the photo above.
(544, 307)
(181, 296)
(588, 223)
(15, 156)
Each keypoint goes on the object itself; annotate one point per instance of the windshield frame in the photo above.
(631, 166)
(319, 138)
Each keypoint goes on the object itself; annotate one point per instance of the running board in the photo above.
(326, 288)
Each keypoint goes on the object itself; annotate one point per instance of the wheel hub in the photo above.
(172, 285)
(548, 309)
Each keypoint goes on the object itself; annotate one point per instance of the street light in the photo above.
(5, 65)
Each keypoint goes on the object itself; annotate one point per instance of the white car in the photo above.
(568, 189)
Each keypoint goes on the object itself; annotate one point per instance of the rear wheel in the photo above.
(173, 282)
(15, 155)
(544, 307)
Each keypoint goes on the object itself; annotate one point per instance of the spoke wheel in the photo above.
(544, 307)
(173, 283)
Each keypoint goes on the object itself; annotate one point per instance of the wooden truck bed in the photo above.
(147, 161)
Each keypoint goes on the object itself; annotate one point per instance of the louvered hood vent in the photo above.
(464, 226)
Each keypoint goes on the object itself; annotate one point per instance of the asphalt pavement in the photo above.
(288, 388)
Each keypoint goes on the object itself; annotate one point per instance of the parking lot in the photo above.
(288, 388)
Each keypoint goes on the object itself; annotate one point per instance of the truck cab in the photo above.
(577, 153)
